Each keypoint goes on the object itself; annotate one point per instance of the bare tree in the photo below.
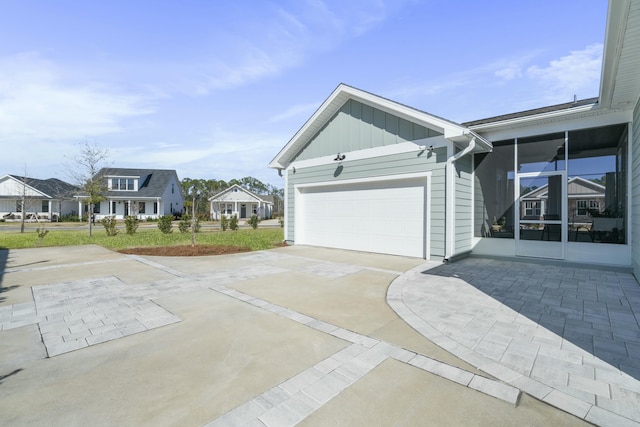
(26, 201)
(84, 169)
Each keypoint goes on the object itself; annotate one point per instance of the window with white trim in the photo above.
(581, 207)
(532, 208)
(123, 184)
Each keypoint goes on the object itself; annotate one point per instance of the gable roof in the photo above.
(452, 131)
(570, 106)
(51, 188)
(594, 186)
(218, 196)
(152, 182)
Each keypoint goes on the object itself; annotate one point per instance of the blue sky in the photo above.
(215, 89)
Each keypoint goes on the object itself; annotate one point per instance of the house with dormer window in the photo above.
(144, 193)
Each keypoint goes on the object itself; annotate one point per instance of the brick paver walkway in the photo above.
(568, 336)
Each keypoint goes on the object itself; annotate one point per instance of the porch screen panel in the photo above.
(494, 192)
(543, 153)
(597, 185)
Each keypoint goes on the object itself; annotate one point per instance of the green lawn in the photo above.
(262, 238)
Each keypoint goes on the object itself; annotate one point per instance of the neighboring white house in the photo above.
(46, 199)
(238, 201)
(145, 193)
(367, 173)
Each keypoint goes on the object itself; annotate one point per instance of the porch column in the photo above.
(50, 210)
(80, 209)
(235, 209)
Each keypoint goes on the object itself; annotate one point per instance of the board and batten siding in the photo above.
(357, 126)
(464, 204)
(635, 191)
(395, 164)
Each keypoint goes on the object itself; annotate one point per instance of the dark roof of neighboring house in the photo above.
(52, 187)
(153, 182)
(533, 112)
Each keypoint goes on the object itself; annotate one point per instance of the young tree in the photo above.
(84, 168)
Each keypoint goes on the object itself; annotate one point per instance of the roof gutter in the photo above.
(450, 201)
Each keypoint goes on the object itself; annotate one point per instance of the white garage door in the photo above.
(382, 216)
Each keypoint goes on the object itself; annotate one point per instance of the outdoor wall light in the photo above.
(339, 157)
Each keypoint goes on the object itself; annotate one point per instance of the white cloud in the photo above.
(283, 39)
(510, 72)
(576, 73)
(37, 103)
(223, 154)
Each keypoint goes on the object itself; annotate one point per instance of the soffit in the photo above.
(620, 84)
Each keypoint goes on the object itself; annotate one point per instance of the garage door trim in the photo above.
(299, 188)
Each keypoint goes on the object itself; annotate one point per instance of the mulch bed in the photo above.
(185, 250)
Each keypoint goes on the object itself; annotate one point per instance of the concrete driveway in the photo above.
(295, 335)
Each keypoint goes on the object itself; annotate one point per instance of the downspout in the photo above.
(450, 201)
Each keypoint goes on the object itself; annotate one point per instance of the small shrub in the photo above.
(184, 225)
(281, 221)
(233, 224)
(164, 223)
(224, 222)
(41, 233)
(254, 221)
(109, 223)
(131, 224)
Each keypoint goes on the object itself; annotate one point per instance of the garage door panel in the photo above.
(385, 217)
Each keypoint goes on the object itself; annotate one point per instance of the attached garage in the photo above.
(387, 215)
(362, 172)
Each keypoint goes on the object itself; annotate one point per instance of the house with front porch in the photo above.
(37, 199)
(240, 202)
(144, 193)
(371, 174)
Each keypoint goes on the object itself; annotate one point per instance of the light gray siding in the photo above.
(635, 191)
(396, 164)
(357, 126)
(464, 203)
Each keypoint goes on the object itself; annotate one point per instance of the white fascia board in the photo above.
(343, 93)
(617, 15)
(416, 146)
(328, 108)
(37, 192)
(552, 123)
